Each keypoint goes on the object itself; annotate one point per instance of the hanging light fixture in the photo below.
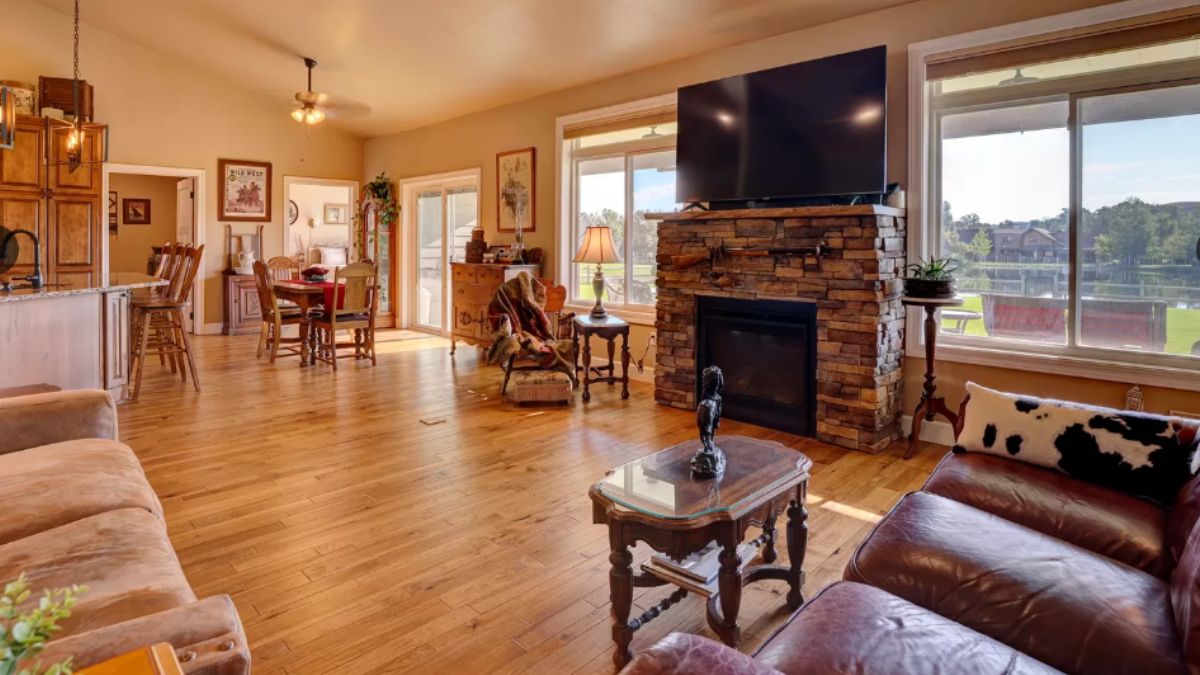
(76, 136)
(309, 111)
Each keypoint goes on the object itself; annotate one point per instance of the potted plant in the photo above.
(930, 279)
(24, 632)
(315, 273)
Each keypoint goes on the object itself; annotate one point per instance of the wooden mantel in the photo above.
(857, 211)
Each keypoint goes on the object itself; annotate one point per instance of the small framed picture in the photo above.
(337, 214)
(136, 211)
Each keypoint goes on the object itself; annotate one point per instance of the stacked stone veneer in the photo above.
(856, 287)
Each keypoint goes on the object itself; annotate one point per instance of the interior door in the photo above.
(185, 231)
(445, 216)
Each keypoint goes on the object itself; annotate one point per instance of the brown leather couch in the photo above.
(995, 566)
(78, 510)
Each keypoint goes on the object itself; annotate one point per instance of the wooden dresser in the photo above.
(39, 193)
(472, 286)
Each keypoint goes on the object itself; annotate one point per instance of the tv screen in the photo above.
(811, 129)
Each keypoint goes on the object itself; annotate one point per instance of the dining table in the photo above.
(308, 296)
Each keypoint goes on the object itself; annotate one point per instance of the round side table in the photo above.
(931, 404)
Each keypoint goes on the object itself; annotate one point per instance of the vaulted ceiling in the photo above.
(392, 65)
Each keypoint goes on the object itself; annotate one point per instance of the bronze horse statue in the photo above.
(709, 461)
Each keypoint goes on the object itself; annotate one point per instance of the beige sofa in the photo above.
(78, 510)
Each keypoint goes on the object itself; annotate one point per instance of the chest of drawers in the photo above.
(472, 286)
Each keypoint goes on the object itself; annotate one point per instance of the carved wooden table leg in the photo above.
(620, 584)
(305, 329)
(612, 360)
(729, 585)
(797, 540)
(587, 367)
(769, 554)
(625, 365)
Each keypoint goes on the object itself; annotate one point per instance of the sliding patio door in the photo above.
(445, 214)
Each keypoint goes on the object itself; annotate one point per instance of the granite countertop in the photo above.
(117, 281)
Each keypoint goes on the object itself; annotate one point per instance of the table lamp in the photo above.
(597, 247)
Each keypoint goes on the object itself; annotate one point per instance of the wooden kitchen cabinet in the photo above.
(116, 342)
(64, 208)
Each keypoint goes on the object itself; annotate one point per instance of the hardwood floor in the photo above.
(404, 518)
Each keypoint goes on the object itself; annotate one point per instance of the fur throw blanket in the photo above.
(520, 327)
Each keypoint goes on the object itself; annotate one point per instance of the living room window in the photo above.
(1068, 190)
(616, 172)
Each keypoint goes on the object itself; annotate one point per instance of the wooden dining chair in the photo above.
(355, 283)
(275, 316)
(283, 268)
(158, 322)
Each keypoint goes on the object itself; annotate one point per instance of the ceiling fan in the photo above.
(310, 101)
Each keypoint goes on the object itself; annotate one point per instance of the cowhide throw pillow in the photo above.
(1146, 455)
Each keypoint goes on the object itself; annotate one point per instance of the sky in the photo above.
(1023, 176)
(653, 190)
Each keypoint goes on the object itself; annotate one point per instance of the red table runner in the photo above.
(327, 286)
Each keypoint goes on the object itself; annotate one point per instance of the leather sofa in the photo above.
(995, 566)
(78, 510)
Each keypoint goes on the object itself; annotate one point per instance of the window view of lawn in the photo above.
(1008, 170)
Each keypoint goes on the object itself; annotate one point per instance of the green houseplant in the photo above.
(24, 633)
(930, 279)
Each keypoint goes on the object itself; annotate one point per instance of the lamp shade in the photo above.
(597, 246)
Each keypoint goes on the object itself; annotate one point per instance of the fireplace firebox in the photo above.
(768, 351)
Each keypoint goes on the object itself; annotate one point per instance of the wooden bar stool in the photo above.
(158, 325)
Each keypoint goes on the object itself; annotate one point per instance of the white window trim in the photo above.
(563, 187)
(1089, 363)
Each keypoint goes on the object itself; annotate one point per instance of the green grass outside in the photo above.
(1183, 325)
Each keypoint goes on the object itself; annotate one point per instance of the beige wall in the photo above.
(474, 140)
(163, 112)
(129, 249)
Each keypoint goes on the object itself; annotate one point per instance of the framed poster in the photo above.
(244, 191)
(137, 211)
(516, 175)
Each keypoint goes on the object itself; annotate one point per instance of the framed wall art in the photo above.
(244, 191)
(336, 214)
(136, 211)
(516, 176)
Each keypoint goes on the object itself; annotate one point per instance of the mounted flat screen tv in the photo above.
(805, 131)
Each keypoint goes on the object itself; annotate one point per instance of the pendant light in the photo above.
(76, 137)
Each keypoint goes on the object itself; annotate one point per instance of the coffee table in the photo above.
(655, 500)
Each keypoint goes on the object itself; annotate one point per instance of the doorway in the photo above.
(440, 213)
(149, 206)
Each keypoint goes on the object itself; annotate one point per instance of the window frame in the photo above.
(925, 234)
(626, 151)
(567, 154)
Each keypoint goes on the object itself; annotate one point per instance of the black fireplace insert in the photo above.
(768, 352)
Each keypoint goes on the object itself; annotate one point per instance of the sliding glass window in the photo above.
(1069, 195)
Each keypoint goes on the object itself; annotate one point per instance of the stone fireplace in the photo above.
(832, 368)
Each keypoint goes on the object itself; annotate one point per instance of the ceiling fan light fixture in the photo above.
(308, 112)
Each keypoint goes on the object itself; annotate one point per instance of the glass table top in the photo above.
(661, 485)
